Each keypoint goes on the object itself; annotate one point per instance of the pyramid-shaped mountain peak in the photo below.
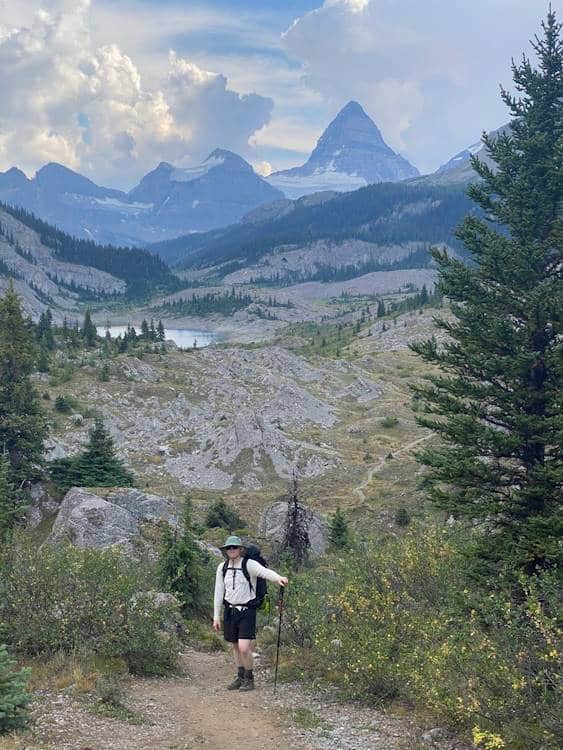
(350, 154)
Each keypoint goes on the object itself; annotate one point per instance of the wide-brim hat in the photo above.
(232, 541)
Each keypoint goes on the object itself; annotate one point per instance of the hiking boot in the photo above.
(247, 683)
(236, 683)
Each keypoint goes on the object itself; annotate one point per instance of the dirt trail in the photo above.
(359, 490)
(181, 713)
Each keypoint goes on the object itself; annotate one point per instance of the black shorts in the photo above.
(239, 624)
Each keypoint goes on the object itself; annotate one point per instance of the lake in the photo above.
(183, 337)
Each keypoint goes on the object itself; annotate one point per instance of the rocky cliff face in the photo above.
(350, 154)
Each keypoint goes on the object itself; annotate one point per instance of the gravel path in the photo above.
(194, 711)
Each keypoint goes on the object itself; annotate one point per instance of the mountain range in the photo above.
(168, 202)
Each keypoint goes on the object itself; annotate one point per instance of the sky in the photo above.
(110, 88)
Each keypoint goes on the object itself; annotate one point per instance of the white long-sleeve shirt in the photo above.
(234, 587)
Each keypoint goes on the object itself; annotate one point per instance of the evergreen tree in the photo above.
(88, 331)
(22, 425)
(10, 508)
(424, 295)
(381, 309)
(222, 515)
(338, 533)
(96, 466)
(183, 564)
(43, 360)
(44, 330)
(145, 330)
(498, 399)
(14, 696)
(160, 333)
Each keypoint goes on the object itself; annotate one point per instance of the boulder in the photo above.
(108, 518)
(272, 527)
(42, 505)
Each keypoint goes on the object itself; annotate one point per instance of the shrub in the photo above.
(222, 515)
(409, 623)
(64, 404)
(402, 517)
(14, 697)
(69, 599)
(388, 422)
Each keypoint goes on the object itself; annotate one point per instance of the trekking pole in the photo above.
(280, 607)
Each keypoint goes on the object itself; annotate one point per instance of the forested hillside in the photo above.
(388, 213)
(141, 270)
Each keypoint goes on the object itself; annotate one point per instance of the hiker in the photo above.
(238, 595)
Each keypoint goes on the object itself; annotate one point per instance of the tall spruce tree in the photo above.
(498, 398)
(22, 425)
(89, 332)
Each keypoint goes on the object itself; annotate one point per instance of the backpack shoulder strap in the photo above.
(245, 571)
(225, 566)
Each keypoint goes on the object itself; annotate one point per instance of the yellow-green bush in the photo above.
(402, 619)
(81, 600)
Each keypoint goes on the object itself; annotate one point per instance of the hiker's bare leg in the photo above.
(245, 651)
(237, 656)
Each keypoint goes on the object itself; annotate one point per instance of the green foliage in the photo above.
(497, 402)
(401, 619)
(13, 502)
(205, 304)
(388, 422)
(184, 568)
(81, 600)
(23, 427)
(338, 532)
(88, 330)
(402, 517)
(223, 516)
(96, 466)
(104, 373)
(14, 697)
(64, 404)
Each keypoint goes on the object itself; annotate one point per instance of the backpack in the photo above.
(253, 553)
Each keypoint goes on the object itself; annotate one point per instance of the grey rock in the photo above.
(272, 527)
(433, 735)
(42, 506)
(53, 448)
(108, 519)
(77, 418)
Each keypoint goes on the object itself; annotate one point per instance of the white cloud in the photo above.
(263, 168)
(67, 99)
(427, 72)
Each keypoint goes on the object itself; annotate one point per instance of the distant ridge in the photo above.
(167, 202)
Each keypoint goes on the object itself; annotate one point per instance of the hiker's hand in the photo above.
(216, 625)
(283, 581)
